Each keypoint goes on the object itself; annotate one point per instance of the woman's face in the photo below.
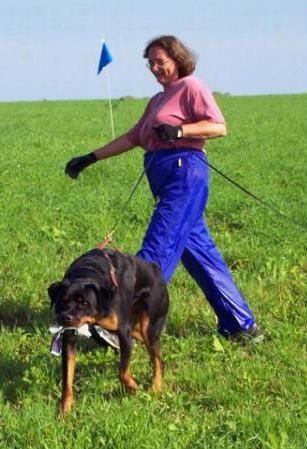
(162, 66)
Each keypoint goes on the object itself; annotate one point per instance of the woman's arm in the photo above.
(117, 146)
(204, 130)
(114, 148)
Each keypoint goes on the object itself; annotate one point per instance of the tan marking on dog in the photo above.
(109, 322)
(154, 355)
(67, 392)
(78, 323)
(157, 373)
(144, 323)
(128, 381)
(136, 333)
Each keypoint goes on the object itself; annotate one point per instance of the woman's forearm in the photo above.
(117, 146)
(204, 130)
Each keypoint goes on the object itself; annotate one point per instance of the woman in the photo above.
(173, 130)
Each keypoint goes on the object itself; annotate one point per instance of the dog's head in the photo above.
(78, 302)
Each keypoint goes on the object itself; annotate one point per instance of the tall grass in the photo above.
(216, 395)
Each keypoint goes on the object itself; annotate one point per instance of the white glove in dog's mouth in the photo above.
(58, 330)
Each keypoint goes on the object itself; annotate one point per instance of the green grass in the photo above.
(216, 395)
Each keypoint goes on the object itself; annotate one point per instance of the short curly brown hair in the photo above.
(182, 55)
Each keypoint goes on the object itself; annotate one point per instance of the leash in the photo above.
(109, 237)
(264, 203)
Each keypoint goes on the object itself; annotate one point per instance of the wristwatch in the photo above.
(179, 132)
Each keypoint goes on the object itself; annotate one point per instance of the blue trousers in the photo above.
(179, 181)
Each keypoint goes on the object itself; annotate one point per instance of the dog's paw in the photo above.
(129, 383)
(66, 405)
(132, 388)
(157, 387)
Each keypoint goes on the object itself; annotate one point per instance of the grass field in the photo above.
(216, 394)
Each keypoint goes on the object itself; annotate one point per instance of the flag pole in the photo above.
(105, 59)
(110, 102)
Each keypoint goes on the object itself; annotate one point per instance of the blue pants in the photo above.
(179, 181)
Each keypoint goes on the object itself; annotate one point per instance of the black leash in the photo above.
(108, 237)
(264, 203)
(134, 189)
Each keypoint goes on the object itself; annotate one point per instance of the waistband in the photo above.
(167, 154)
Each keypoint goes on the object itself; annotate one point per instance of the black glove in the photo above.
(77, 164)
(168, 133)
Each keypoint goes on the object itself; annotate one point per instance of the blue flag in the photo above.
(105, 58)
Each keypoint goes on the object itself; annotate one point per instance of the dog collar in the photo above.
(112, 271)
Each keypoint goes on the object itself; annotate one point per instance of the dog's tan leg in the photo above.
(68, 371)
(125, 355)
(136, 333)
(153, 349)
(157, 369)
(128, 381)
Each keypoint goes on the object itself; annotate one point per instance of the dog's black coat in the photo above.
(133, 302)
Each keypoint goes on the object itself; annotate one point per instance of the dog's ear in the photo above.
(56, 290)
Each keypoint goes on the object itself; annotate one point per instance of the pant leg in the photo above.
(179, 184)
(177, 230)
(205, 264)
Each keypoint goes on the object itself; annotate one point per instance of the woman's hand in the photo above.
(77, 164)
(114, 148)
(168, 133)
(199, 130)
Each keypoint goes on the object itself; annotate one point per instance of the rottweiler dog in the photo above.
(121, 293)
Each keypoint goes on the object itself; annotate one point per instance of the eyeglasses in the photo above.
(157, 62)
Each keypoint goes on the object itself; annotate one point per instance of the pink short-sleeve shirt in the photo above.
(186, 100)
